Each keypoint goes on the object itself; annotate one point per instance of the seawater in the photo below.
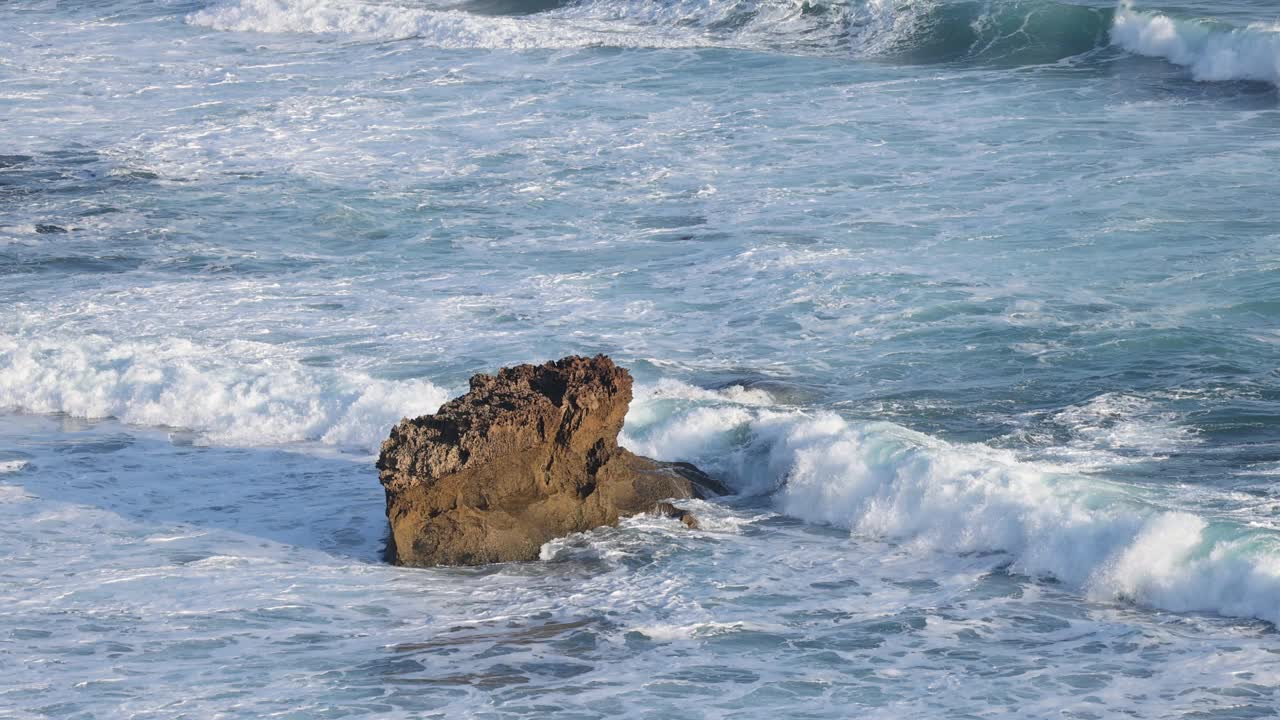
(975, 304)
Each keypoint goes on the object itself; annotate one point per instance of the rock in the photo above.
(667, 509)
(525, 456)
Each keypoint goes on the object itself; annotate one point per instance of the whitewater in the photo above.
(974, 304)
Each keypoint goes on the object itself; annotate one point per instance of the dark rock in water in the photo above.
(49, 229)
(527, 455)
(667, 509)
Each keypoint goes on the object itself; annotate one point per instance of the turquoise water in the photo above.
(977, 304)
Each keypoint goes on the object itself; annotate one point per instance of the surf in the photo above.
(921, 31)
(218, 395)
(1108, 540)
(1212, 51)
(1011, 33)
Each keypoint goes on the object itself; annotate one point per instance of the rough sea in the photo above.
(975, 303)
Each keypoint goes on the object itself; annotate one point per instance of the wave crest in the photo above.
(1010, 32)
(885, 481)
(1018, 31)
(177, 383)
(444, 28)
(1212, 52)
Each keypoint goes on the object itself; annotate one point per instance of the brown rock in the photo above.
(527, 455)
(667, 509)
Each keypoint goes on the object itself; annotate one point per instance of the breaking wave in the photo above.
(179, 384)
(1111, 541)
(1212, 51)
(1016, 32)
(1013, 32)
(449, 28)
(1019, 31)
(876, 479)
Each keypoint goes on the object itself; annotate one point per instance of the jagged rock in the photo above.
(667, 509)
(527, 455)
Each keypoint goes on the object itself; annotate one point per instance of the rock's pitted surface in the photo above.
(527, 455)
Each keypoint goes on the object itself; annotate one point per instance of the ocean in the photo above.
(975, 304)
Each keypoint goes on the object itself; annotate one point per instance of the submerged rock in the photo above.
(667, 509)
(527, 455)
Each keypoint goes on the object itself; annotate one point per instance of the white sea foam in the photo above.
(676, 391)
(1118, 429)
(437, 27)
(877, 25)
(1115, 420)
(673, 633)
(1262, 469)
(884, 481)
(1210, 52)
(13, 494)
(12, 466)
(227, 400)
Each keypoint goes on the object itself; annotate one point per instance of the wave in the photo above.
(1113, 542)
(1014, 32)
(1018, 31)
(1007, 32)
(250, 400)
(874, 478)
(449, 28)
(1212, 51)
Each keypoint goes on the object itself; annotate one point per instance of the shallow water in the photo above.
(976, 303)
